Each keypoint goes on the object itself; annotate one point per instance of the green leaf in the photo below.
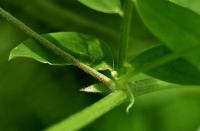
(97, 88)
(106, 6)
(193, 5)
(177, 70)
(142, 84)
(176, 26)
(86, 48)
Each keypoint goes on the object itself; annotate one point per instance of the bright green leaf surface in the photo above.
(106, 6)
(193, 5)
(96, 88)
(176, 26)
(85, 48)
(176, 71)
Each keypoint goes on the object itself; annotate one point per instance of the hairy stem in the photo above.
(91, 113)
(49, 45)
(125, 34)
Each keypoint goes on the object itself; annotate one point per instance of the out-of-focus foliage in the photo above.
(189, 4)
(33, 96)
(106, 6)
(171, 71)
(172, 20)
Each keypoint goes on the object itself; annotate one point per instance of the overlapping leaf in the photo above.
(179, 29)
(142, 84)
(193, 5)
(161, 64)
(106, 6)
(86, 48)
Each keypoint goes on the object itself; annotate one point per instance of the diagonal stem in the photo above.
(49, 45)
(91, 113)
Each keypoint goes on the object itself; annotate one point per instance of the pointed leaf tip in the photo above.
(96, 88)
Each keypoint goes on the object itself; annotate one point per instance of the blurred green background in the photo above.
(34, 96)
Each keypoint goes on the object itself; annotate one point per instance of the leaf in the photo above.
(177, 70)
(142, 84)
(176, 26)
(193, 5)
(106, 6)
(83, 47)
(97, 88)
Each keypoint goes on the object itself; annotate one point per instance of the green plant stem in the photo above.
(91, 113)
(52, 10)
(125, 34)
(49, 45)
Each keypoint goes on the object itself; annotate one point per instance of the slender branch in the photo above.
(49, 45)
(91, 113)
(125, 34)
(51, 10)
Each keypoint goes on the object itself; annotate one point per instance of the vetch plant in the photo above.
(172, 64)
